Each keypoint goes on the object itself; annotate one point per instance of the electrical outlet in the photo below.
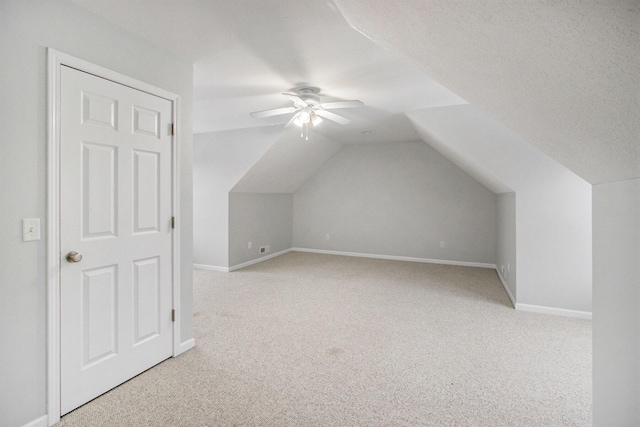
(326, 236)
(442, 244)
(264, 249)
(250, 245)
(508, 266)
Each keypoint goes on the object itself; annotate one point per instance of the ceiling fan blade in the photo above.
(290, 122)
(296, 99)
(333, 117)
(342, 104)
(272, 112)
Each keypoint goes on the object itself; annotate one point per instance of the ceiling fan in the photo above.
(308, 109)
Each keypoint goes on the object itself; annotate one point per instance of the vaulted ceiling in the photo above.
(562, 76)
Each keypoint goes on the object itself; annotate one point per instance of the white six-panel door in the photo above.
(115, 210)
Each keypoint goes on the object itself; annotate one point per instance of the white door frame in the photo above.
(56, 60)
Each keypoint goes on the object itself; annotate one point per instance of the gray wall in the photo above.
(616, 303)
(553, 204)
(261, 218)
(27, 28)
(398, 199)
(221, 159)
(506, 239)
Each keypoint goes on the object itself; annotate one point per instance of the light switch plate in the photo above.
(30, 229)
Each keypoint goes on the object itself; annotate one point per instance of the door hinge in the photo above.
(173, 315)
(172, 129)
(173, 222)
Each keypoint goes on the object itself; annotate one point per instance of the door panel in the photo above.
(146, 122)
(99, 110)
(146, 169)
(99, 314)
(115, 209)
(146, 309)
(99, 190)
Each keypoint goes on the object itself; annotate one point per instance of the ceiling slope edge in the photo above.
(485, 149)
(287, 164)
(462, 159)
(226, 156)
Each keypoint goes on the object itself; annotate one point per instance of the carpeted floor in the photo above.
(319, 340)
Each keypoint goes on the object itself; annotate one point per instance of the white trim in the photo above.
(256, 261)
(397, 258)
(211, 267)
(53, 240)
(38, 422)
(555, 311)
(62, 58)
(239, 266)
(55, 60)
(187, 345)
(506, 287)
(177, 284)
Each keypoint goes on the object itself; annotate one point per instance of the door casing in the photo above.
(55, 60)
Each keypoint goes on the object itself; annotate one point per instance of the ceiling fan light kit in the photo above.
(304, 116)
(308, 109)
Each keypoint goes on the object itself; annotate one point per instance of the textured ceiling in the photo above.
(565, 75)
(247, 52)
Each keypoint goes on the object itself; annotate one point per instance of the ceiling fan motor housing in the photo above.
(310, 96)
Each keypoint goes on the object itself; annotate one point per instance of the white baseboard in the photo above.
(354, 254)
(239, 266)
(506, 287)
(43, 421)
(552, 310)
(185, 346)
(256, 261)
(210, 267)
(542, 309)
(397, 258)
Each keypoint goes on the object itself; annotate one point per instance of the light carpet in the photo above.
(320, 340)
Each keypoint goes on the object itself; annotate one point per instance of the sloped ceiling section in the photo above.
(460, 141)
(287, 164)
(491, 153)
(563, 75)
(222, 158)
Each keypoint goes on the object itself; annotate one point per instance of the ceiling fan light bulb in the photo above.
(304, 116)
(296, 120)
(316, 120)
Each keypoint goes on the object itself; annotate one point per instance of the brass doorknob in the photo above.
(74, 257)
